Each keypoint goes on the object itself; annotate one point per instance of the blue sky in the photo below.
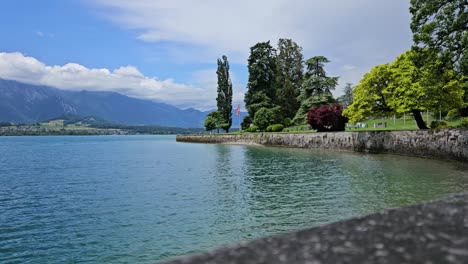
(167, 50)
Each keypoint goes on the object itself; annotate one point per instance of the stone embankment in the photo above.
(443, 144)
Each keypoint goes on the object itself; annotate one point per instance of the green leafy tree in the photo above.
(289, 77)
(262, 78)
(441, 25)
(210, 123)
(369, 98)
(266, 116)
(316, 88)
(224, 99)
(416, 81)
(213, 121)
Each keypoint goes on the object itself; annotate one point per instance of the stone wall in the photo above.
(443, 144)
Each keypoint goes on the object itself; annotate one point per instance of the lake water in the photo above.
(140, 199)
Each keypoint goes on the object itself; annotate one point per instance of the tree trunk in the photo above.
(419, 120)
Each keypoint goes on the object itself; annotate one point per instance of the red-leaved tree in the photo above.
(327, 118)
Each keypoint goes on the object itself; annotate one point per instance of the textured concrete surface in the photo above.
(442, 144)
(429, 233)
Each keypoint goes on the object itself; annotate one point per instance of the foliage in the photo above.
(327, 118)
(213, 121)
(441, 25)
(262, 76)
(453, 114)
(316, 88)
(439, 125)
(463, 122)
(369, 97)
(253, 128)
(224, 99)
(5, 124)
(210, 123)
(264, 117)
(347, 98)
(418, 80)
(287, 122)
(277, 128)
(246, 122)
(289, 78)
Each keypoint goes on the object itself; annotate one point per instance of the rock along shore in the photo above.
(443, 144)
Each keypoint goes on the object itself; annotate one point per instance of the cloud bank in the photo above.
(358, 32)
(126, 80)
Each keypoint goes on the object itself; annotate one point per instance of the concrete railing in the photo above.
(429, 233)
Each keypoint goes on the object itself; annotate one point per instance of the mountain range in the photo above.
(25, 103)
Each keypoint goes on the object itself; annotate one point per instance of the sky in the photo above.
(166, 51)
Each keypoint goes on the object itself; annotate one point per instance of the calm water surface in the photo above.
(140, 199)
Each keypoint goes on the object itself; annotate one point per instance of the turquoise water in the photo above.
(140, 199)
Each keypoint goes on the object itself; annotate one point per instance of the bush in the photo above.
(327, 118)
(253, 128)
(245, 125)
(269, 128)
(453, 114)
(463, 122)
(263, 118)
(439, 125)
(277, 128)
(287, 122)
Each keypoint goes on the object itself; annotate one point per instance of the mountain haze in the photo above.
(25, 103)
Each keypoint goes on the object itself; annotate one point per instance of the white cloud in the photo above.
(355, 35)
(127, 80)
(322, 26)
(40, 34)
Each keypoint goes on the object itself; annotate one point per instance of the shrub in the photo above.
(453, 115)
(263, 118)
(327, 118)
(439, 125)
(269, 128)
(253, 128)
(463, 122)
(287, 122)
(245, 125)
(277, 128)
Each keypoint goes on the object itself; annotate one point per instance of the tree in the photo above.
(224, 99)
(213, 121)
(416, 81)
(316, 88)
(441, 25)
(289, 77)
(347, 98)
(262, 76)
(369, 97)
(210, 123)
(327, 118)
(264, 117)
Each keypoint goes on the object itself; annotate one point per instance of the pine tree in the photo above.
(262, 78)
(316, 89)
(289, 77)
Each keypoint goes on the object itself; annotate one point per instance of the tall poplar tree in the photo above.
(224, 99)
(289, 77)
(262, 78)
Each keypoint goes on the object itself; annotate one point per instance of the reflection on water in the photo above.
(146, 198)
